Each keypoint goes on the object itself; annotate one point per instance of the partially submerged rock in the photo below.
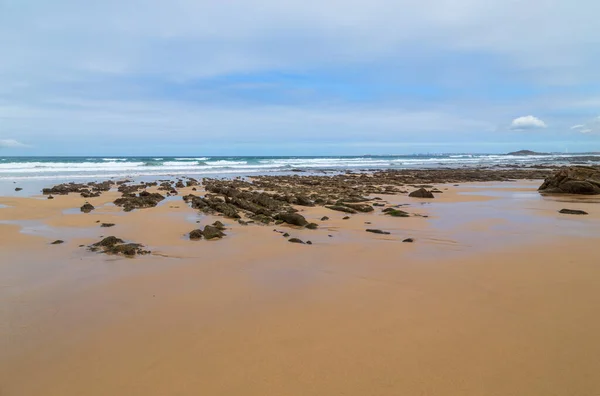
(292, 218)
(573, 180)
(312, 226)
(408, 240)
(396, 212)
(295, 240)
(376, 231)
(573, 211)
(107, 225)
(211, 232)
(196, 235)
(114, 245)
(341, 208)
(87, 207)
(58, 242)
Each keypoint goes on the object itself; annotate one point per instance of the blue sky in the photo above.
(268, 77)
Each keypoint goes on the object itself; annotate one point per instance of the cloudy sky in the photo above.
(233, 77)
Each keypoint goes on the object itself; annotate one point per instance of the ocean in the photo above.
(73, 168)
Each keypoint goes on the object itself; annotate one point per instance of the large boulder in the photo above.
(292, 218)
(573, 180)
(421, 193)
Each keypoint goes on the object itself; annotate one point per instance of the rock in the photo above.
(408, 240)
(87, 207)
(292, 218)
(395, 212)
(143, 200)
(218, 225)
(108, 242)
(324, 218)
(242, 222)
(295, 240)
(345, 217)
(308, 242)
(211, 232)
(196, 235)
(573, 180)
(525, 153)
(303, 201)
(50, 197)
(572, 212)
(421, 193)
(58, 242)
(341, 208)
(286, 235)
(18, 189)
(375, 231)
(127, 249)
(107, 225)
(359, 207)
(312, 226)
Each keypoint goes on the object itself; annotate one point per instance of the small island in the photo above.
(526, 152)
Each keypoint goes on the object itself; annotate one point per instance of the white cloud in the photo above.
(587, 130)
(590, 127)
(527, 122)
(11, 143)
(577, 126)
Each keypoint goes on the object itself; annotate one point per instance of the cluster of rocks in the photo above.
(145, 199)
(88, 190)
(114, 245)
(573, 180)
(214, 231)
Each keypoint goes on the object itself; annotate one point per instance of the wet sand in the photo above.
(498, 295)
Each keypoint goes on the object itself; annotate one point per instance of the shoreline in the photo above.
(475, 305)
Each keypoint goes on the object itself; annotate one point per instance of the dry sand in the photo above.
(498, 295)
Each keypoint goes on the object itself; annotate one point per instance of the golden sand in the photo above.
(498, 295)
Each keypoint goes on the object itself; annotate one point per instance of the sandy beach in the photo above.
(497, 295)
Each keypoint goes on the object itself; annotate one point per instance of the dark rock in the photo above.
(573, 180)
(341, 208)
(143, 200)
(421, 193)
(295, 240)
(108, 242)
(312, 226)
(308, 242)
(50, 197)
(18, 189)
(211, 232)
(572, 212)
(292, 218)
(395, 212)
(408, 240)
(286, 235)
(324, 218)
(196, 235)
(345, 217)
(58, 242)
(218, 225)
(106, 225)
(304, 201)
(375, 231)
(127, 249)
(359, 207)
(87, 207)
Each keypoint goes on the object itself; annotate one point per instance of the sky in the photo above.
(273, 77)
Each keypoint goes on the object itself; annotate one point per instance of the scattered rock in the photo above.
(376, 231)
(196, 235)
(218, 225)
(324, 218)
(421, 193)
(308, 242)
(345, 217)
(114, 245)
(359, 207)
(408, 240)
(341, 208)
(295, 240)
(18, 189)
(50, 197)
(292, 218)
(572, 212)
(142, 200)
(395, 212)
(286, 235)
(107, 225)
(312, 226)
(87, 207)
(58, 242)
(211, 232)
